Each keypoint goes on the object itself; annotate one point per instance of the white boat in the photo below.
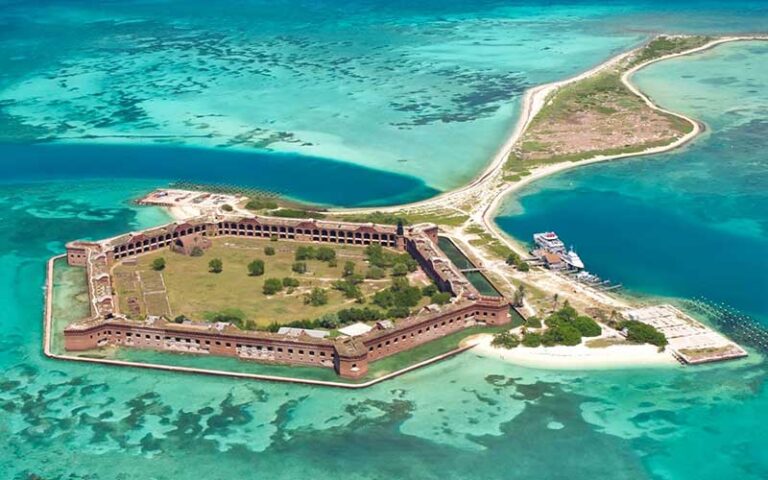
(572, 259)
(549, 241)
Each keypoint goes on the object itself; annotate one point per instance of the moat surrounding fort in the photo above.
(457, 419)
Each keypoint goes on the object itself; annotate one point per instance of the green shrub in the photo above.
(269, 251)
(533, 322)
(256, 268)
(349, 268)
(158, 264)
(586, 326)
(429, 290)
(375, 273)
(639, 332)
(441, 298)
(348, 287)
(299, 267)
(317, 297)
(398, 312)
(260, 204)
(505, 340)
(196, 252)
(290, 282)
(227, 208)
(531, 339)
(399, 270)
(272, 286)
(216, 265)
(325, 254)
(304, 253)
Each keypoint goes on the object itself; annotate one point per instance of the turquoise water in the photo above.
(368, 84)
(424, 89)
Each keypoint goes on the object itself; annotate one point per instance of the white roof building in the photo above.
(355, 329)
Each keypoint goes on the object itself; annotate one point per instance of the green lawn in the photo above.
(195, 292)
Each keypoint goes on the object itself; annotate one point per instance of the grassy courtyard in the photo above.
(186, 286)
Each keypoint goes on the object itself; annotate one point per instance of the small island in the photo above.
(369, 294)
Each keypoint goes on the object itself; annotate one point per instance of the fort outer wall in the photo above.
(349, 357)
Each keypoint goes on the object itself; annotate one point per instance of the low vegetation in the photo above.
(260, 287)
(639, 332)
(564, 327)
(599, 115)
(441, 217)
(665, 45)
(505, 340)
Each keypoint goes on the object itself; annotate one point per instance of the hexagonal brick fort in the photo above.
(348, 356)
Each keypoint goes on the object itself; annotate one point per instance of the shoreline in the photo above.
(579, 357)
(533, 100)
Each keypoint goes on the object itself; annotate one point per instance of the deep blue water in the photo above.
(311, 179)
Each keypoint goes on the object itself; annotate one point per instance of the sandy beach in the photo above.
(578, 357)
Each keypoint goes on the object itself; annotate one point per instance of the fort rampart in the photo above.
(348, 356)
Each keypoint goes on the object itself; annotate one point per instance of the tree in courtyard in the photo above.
(269, 251)
(256, 268)
(429, 290)
(325, 254)
(349, 268)
(317, 297)
(158, 264)
(299, 267)
(441, 298)
(399, 270)
(304, 253)
(375, 273)
(216, 265)
(272, 286)
(329, 321)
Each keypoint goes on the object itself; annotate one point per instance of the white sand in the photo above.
(183, 212)
(578, 357)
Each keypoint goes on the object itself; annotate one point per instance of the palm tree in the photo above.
(555, 301)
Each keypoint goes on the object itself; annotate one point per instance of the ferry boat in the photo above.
(550, 243)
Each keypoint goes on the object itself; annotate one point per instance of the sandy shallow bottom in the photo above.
(578, 357)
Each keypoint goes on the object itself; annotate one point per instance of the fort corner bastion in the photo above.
(348, 356)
